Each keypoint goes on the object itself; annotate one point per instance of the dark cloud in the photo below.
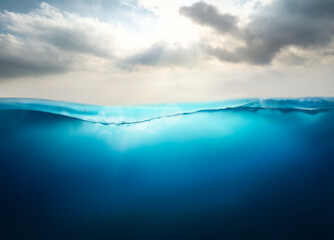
(163, 55)
(273, 27)
(206, 14)
(18, 67)
(70, 39)
(19, 58)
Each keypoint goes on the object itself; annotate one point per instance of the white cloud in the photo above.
(47, 40)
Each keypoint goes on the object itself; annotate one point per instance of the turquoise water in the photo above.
(240, 169)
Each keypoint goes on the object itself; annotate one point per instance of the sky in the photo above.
(155, 51)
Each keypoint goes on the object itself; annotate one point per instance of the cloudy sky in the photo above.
(155, 51)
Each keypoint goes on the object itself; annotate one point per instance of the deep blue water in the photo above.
(241, 169)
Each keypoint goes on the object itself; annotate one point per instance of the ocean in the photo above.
(238, 169)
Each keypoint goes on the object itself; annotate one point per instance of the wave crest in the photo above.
(115, 115)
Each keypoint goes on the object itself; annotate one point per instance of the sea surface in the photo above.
(239, 169)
